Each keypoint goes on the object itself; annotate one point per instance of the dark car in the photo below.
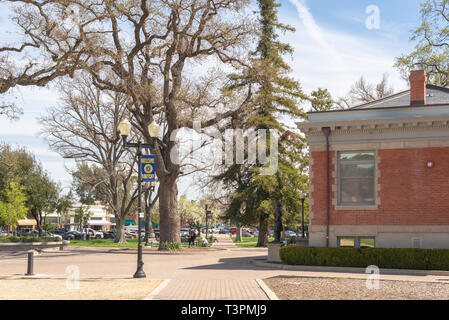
(73, 235)
(109, 234)
(60, 231)
(157, 233)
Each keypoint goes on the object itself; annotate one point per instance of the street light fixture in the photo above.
(125, 129)
(302, 196)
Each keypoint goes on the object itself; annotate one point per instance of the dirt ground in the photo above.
(66, 289)
(300, 288)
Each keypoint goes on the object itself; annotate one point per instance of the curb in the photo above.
(270, 294)
(158, 289)
(403, 272)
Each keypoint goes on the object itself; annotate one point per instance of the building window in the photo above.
(356, 179)
(417, 243)
(356, 242)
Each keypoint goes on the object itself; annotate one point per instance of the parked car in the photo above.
(157, 233)
(130, 235)
(60, 231)
(289, 234)
(73, 235)
(93, 234)
(3, 233)
(233, 230)
(184, 232)
(256, 233)
(109, 234)
(247, 234)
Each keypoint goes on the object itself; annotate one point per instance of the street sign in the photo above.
(148, 168)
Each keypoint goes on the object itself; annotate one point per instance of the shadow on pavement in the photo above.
(240, 263)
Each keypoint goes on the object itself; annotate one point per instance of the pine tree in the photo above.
(276, 95)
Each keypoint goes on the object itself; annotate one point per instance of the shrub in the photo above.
(418, 259)
(170, 246)
(28, 239)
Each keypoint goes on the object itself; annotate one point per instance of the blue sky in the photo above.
(333, 48)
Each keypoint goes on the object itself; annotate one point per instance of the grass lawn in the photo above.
(248, 242)
(109, 243)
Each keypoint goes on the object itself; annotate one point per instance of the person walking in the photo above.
(192, 235)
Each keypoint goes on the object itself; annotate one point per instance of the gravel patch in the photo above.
(57, 289)
(302, 288)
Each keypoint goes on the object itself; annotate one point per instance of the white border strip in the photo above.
(270, 294)
(156, 291)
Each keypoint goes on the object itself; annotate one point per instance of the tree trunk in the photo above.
(119, 230)
(238, 234)
(262, 241)
(168, 206)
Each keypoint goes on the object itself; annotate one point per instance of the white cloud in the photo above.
(335, 60)
(315, 32)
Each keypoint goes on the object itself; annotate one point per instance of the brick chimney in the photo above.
(418, 80)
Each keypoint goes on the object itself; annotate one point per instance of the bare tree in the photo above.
(84, 128)
(145, 50)
(364, 92)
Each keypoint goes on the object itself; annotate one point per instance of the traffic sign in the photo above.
(148, 168)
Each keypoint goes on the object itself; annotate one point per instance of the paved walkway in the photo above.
(213, 289)
(211, 274)
(224, 241)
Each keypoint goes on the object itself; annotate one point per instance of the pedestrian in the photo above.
(192, 236)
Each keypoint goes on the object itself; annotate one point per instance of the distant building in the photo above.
(101, 219)
(379, 172)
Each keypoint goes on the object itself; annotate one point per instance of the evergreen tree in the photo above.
(276, 95)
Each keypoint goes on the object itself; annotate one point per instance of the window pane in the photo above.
(357, 190)
(357, 156)
(353, 170)
(356, 175)
(366, 242)
(347, 242)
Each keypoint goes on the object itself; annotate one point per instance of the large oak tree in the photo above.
(147, 50)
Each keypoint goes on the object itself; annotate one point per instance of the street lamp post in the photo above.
(125, 130)
(302, 197)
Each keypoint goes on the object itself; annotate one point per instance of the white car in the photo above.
(184, 232)
(290, 234)
(94, 234)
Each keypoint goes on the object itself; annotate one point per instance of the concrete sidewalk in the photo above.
(215, 289)
(218, 289)
(224, 241)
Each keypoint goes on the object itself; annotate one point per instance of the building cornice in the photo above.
(368, 125)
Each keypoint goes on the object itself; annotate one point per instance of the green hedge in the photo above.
(418, 259)
(28, 239)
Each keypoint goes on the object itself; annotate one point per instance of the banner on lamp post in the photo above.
(148, 168)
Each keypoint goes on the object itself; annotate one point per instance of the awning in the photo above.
(129, 222)
(98, 223)
(26, 222)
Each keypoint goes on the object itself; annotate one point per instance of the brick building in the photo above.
(379, 172)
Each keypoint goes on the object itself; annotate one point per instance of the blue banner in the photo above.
(148, 168)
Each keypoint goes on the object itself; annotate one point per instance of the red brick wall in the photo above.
(410, 193)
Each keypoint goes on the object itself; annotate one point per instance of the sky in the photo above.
(335, 43)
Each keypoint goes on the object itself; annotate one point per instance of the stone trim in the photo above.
(355, 208)
(384, 145)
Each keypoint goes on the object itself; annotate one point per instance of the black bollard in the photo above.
(30, 263)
